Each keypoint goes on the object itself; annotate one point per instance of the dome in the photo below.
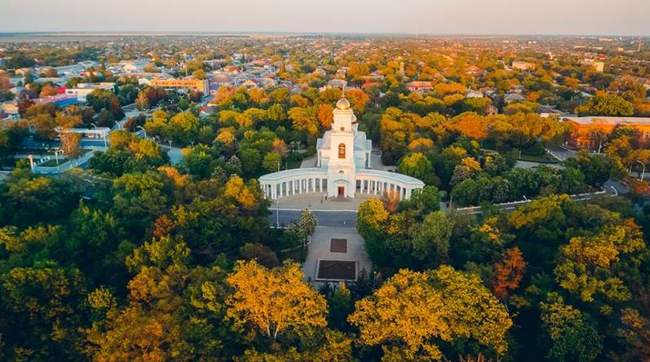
(343, 104)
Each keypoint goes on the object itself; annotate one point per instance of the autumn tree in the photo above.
(274, 302)
(174, 312)
(588, 264)
(413, 314)
(508, 273)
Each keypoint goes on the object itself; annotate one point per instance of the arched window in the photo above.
(342, 150)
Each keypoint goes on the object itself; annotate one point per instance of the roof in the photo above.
(645, 121)
(277, 176)
(391, 176)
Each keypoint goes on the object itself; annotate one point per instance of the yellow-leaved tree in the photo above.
(274, 301)
(414, 312)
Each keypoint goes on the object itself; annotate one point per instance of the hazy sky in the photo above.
(621, 17)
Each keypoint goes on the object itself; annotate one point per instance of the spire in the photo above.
(343, 103)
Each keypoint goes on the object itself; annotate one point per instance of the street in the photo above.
(325, 218)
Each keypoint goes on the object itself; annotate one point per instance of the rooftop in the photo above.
(609, 120)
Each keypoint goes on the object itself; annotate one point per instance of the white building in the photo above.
(84, 89)
(343, 166)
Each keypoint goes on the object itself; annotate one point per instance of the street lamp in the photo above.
(643, 169)
(56, 156)
(277, 205)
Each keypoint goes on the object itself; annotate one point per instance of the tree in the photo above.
(29, 200)
(183, 128)
(467, 168)
(274, 302)
(105, 99)
(271, 161)
(418, 165)
(572, 335)
(508, 273)
(325, 115)
(174, 311)
(304, 119)
(41, 310)
(250, 161)
(423, 201)
(588, 263)
(142, 101)
(431, 239)
(370, 218)
(307, 222)
(413, 313)
(48, 90)
(597, 169)
(606, 105)
(70, 143)
(139, 198)
(199, 74)
(44, 125)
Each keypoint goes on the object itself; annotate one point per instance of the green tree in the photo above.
(41, 312)
(272, 161)
(419, 166)
(572, 335)
(431, 239)
(606, 105)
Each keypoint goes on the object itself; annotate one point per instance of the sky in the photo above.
(573, 17)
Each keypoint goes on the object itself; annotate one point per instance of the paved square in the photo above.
(320, 250)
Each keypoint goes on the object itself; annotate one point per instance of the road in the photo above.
(325, 218)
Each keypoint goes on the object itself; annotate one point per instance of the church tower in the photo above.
(341, 175)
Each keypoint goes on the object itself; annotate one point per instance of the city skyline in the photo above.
(440, 17)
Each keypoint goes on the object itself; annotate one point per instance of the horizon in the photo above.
(99, 33)
(412, 17)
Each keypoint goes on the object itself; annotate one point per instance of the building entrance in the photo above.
(341, 192)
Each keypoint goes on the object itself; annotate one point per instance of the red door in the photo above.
(341, 191)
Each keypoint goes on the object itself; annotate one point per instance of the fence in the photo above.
(65, 166)
(512, 205)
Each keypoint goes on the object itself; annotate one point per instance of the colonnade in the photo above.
(364, 186)
(295, 186)
(369, 186)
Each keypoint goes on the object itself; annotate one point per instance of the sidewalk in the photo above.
(315, 201)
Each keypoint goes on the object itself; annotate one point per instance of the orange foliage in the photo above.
(162, 226)
(325, 115)
(471, 125)
(508, 273)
